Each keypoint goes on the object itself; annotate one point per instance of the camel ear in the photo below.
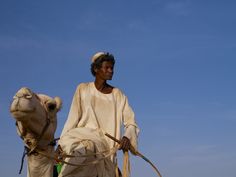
(58, 103)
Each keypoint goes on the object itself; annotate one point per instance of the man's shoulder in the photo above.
(83, 85)
(118, 92)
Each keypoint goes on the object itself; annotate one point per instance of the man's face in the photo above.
(106, 71)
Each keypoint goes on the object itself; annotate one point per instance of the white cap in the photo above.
(96, 56)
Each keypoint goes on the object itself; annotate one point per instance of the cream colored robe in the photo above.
(93, 113)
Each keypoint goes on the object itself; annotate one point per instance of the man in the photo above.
(97, 108)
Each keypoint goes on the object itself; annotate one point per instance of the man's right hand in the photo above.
(125, 144)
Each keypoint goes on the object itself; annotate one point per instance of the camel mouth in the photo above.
(21, 115)
(22, 111)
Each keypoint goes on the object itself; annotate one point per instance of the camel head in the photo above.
(27, 104)
(31, 112)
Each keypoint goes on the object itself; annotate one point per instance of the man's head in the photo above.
(102, 63)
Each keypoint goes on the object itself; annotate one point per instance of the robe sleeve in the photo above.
(74, 113)
(131, 128)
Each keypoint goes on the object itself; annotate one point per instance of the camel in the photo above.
(36, 122)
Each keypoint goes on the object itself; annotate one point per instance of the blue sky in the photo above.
(175, 60)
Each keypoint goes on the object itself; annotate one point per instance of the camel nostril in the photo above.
(28, 96)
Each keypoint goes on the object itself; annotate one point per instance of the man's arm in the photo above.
(131, 129)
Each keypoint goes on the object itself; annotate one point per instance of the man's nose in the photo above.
(110, 70)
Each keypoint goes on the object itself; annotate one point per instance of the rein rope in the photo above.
(22, 160)
(59, 158)
(126, 163)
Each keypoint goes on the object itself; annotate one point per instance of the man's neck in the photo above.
(100, 84)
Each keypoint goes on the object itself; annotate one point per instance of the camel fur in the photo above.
(36, 120)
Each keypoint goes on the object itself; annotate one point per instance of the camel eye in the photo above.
(51, 106)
